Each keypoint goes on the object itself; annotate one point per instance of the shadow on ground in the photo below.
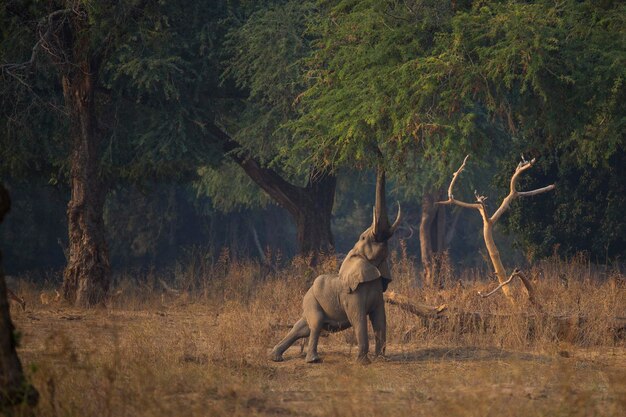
(463, 354)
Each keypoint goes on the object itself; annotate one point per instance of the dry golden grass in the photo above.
(203, 351)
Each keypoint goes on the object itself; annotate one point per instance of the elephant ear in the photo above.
(355, 270)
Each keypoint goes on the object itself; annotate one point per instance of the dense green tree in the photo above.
(122, 78)
(372, 86)
(263, 59)
(427, 82)
(551, 75)
(109, 95)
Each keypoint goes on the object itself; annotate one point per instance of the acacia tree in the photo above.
(263, 60)
(136, 85)
(551, 76)
(369, 88)
(430, 81)
(112, 71)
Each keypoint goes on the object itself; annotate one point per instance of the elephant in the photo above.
(337, 302)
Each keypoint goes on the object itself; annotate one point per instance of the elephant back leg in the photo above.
(315, 320)
(298, 331)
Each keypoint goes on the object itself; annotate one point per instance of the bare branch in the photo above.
(532, 297)
(513, 193)
(451, 199)
(527, 284)
(480, 198)
(454, 177)
(418, 309)
(537, 191)
(502, 284)
(38, 45)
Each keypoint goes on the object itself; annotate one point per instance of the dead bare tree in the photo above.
(490, 221)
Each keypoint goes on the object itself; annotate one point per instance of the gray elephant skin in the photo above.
(337, 302)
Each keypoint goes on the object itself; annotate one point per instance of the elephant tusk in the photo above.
(396, 223)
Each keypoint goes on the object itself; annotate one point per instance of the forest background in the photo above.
(181, 129)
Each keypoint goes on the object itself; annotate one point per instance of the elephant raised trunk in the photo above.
(338, 301)
(380, 223)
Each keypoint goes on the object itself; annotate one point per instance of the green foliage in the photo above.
(157, 78)
(262, 56)
(325, 83)
(584, 213)
(229, 188)
(378, 81)
(551, 74)
(264, 59)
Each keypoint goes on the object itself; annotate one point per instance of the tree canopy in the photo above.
(259, 102)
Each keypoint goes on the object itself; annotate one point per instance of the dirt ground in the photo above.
(195, 360)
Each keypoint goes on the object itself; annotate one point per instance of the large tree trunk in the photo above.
(310, 206)
(86, 276)
(14, 388)
(314, 215)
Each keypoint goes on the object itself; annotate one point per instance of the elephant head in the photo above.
(367, 260)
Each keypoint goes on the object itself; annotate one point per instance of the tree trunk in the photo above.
(494, 255)
(439, 229)
(86, 276)
(310, 206)
(432, 237)
(426, 249)
(314, 215)
(14, 388)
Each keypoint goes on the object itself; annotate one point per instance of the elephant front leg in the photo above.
(298, 331)
(379, 324)
(360, 330)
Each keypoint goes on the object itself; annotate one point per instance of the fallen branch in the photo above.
(443, 319)
(418, 309)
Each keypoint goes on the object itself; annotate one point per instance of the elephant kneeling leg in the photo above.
(299, 330)
(276, 356)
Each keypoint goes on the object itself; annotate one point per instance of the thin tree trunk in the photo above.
(86, 276)
(451, 230)
(432, 237)
(439, 229)
(426, 250)
(14, 389)
(494, 255)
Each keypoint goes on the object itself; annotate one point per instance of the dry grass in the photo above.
(203, 351)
